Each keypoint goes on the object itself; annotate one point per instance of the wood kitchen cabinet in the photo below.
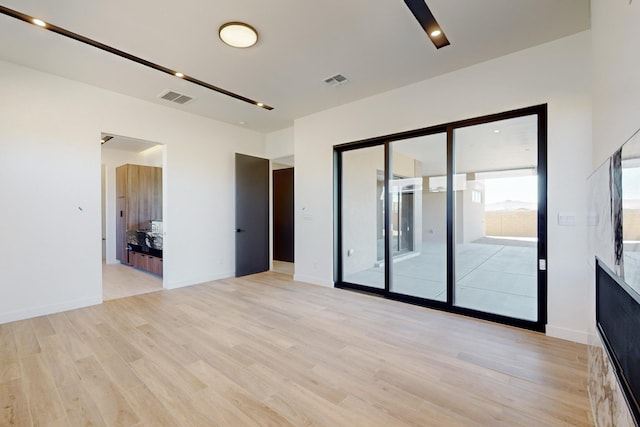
(138, 201)
(141, 188)
(150, 263)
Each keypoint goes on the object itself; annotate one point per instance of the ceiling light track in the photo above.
(428, 22)
(78, 37)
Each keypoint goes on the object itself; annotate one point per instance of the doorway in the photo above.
(132, 261)
(282, 215)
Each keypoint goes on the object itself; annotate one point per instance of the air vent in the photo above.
(176, 97)
(336, 80)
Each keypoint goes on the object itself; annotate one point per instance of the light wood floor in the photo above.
(119, 281)
(283, 267)
(266, 351)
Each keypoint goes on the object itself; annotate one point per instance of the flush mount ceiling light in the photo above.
(238, 34)
(428, 22)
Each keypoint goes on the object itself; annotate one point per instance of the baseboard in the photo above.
(48, 309)
(581, 337)
(191, 282)
(313, 280)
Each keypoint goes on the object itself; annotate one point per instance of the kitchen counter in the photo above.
(144, 238)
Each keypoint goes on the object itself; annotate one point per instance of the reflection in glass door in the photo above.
(496, 217)
(420, 217)
(362, 209)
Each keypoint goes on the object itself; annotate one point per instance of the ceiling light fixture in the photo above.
(39, 22)
(428, 22)
(179, 75)
(112, 50)
(260, 104)
(238, 34)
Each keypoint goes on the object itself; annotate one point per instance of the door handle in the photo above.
(239, 230)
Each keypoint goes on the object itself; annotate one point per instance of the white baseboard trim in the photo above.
(313, 280)
(581, 337)
(48, 309)
(191, 282)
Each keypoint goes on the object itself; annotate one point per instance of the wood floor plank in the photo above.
(181, 403)
(112, 405)
(58, 361)
(44, 401)
(81, 409)
(149, 408)
(26, 339)
(264, 350)
(14, 408)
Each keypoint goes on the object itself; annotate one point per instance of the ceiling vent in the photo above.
(336, 80)
(176, 97)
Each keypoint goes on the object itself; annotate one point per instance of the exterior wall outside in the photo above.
(512, 223)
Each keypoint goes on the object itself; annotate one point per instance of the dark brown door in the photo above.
(283, 215)
(252, 215)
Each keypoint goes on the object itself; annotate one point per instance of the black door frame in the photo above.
(541, 112)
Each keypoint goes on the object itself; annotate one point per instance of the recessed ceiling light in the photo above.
(179, 75)
(496, 131)
(39, 22)
(428, 22)
(238, 34)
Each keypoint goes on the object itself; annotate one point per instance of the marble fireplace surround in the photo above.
(609, 406)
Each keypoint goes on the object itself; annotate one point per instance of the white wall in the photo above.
(111, 159)
(616, 86)
(50, 178)
(556, 73)
(279, 144)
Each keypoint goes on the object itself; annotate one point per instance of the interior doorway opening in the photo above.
(132, 172)
(283, 215)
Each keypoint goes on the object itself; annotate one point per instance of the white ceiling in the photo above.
(502, 145)
(377, 45)
(121, 143)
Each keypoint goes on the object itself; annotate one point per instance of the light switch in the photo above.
(566, 218)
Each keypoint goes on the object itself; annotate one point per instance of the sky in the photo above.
(521, 189)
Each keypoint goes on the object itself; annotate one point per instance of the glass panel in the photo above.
(362, 216)
(631, 212)
(419, 217)
(496, 217)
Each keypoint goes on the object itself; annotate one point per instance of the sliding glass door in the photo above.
(420, 172)
(363, 197)
(496, 217)
(451, 217)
